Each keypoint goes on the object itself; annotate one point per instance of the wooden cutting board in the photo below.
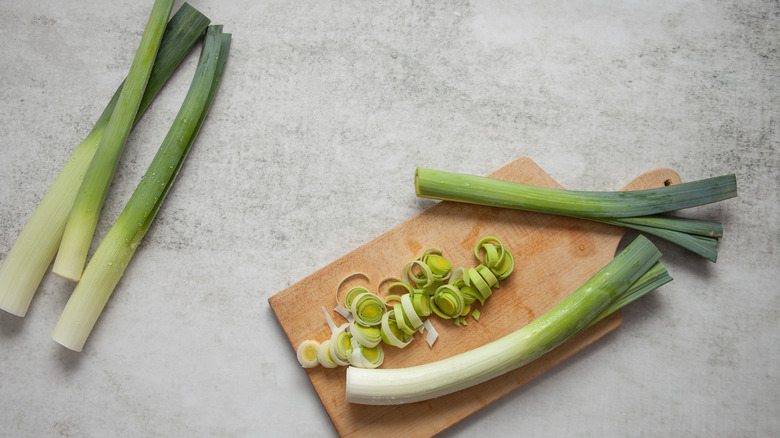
(554, 255)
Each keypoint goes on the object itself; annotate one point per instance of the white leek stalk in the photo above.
(115, 251)
(412, 384)
(35, 248)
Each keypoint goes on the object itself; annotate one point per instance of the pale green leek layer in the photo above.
(33, 251)
(116, 250)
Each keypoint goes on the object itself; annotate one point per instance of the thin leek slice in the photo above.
(367, 336)
(447, 302)
(410, 312)
(324, 357)
(340, 347)
(422, 304)
(391, 334)
(401, 320)
(367, 309)
(308, 351)
(352, 294)
(479, 283)
(343, 281)
(366, 357)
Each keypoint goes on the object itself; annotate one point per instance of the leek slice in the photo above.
(117, 248)
(323, 355)
(573, 314)
(391, 333)
(367, 336)
(83, 217)
(308, 353)
(340, 347)
(33, 251)
(367, 309)
(366, 357)
(408, 307)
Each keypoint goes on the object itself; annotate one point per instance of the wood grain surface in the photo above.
(554, 255)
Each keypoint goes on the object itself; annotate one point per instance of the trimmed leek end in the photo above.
(92, 292)
(308, 353)
(74, 246)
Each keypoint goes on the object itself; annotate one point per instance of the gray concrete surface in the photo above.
(324, 112)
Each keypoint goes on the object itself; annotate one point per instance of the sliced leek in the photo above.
(33, 251)
(637, 209)
(83, 217)
(573, 314)
(308, 353)
(115, 251)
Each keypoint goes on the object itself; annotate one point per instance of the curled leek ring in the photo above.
(344, 280)
(409, 311)
(367, 336)
(391, 334)
(497, 258)
(367, 308)
(366, 357)
(307, 353)
(324, 357)
(340, 347)
(448, 302)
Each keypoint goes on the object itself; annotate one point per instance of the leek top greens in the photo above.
(638, 209)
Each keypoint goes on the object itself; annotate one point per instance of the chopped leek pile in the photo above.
(633, 272)
(428, 286)
(32, 253)
(68, 213)
(640, 209)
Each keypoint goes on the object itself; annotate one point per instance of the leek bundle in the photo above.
(639, 209)
(36, 246)
(634, 272)
(115, 251)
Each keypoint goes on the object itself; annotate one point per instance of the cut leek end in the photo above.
(72, 255)
(14, 302)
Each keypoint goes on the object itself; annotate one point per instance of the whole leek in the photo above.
(33, 251)
(83, 217)
(571, 316)
(638, 209)
(115, 251)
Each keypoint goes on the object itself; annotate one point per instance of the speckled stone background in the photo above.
(309, 151)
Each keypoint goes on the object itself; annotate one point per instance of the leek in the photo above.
(83, 217)
(32, 253)
(571, 316)
(117, 248)
(638, 209)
